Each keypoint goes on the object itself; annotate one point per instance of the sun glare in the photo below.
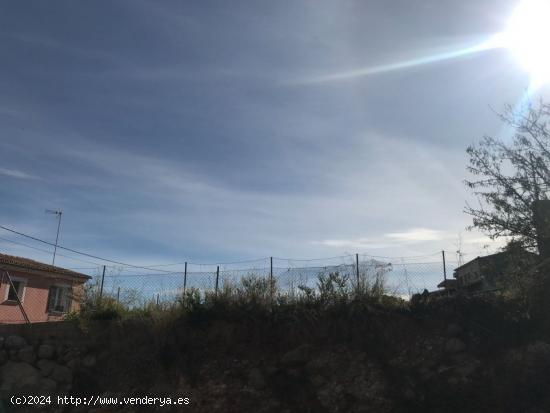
(528, 38)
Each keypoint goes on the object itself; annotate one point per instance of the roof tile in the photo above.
(29, 264)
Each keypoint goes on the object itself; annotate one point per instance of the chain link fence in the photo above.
(400, 277)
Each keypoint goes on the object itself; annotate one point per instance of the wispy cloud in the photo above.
(389, 240)
(63, 46)
(417, 235)
(169, 143)
(352, 244)
(16, 173)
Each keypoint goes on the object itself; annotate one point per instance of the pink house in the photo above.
(46, 292)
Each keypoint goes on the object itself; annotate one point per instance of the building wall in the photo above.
(35, 299)
(468, 274)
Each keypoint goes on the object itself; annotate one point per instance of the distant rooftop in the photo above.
(493, 257)
(448, 283)
(26, 263)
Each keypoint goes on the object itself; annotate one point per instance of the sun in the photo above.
(527, 36)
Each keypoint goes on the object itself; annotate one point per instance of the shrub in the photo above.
(372, 280)
(105, 308)
(191, 299)
(333, 287)
(256, 290)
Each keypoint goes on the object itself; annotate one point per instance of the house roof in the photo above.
(492, 258)
(481, 258)
(448, 283)
(28, 264)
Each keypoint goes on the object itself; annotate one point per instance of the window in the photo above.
(18, 289)
(59, 299)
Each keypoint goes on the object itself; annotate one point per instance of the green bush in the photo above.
(333, 288)
(253, 296)
(190, 299)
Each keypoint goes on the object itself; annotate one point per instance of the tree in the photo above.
(509, 177)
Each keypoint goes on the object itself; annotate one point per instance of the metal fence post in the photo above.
(444, 266)
(271, 277)
(357, 270)
(185, 278)
(102, 280)
(217, 278)
(118, 295)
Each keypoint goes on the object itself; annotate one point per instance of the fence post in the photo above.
(357, 270)
(217, 278)
(444, 266)
(118, 295)
(271, 277)
(157, 300)
(102, 280)
(185, 278)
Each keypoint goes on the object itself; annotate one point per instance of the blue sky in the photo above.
(215, 131)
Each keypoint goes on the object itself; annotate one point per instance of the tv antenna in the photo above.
(59, 213)
(459, 253)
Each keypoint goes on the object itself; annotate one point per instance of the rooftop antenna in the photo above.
(57, 212)
(459, 253)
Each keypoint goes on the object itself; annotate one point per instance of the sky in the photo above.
(217, 131)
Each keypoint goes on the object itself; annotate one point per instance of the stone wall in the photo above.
(60, 330)
(40, 364)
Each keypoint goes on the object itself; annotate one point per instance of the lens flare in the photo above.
(528, 38)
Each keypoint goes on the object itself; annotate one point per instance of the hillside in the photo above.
(454, 355)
